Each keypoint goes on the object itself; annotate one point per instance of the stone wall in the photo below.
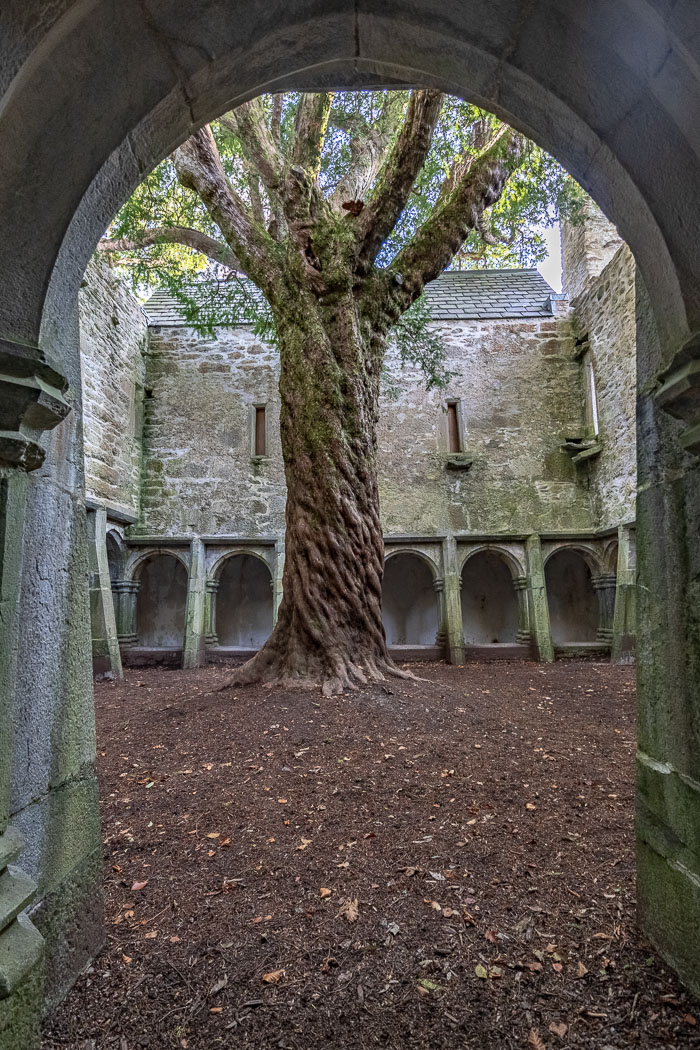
(518, 385)
(605, 315)
(113, 338)
(587, 246)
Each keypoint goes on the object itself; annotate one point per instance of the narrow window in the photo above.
(591, 395)
(260, 438)
(454, 442)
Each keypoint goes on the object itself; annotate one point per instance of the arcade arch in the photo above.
(490, 613)
(160, 602)
(244, 602)
(410, 607)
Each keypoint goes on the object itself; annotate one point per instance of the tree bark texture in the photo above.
(329, 628)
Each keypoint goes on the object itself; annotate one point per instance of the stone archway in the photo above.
(160, 603)
(410, 607)
(90, 102)
(573, 606)
(490, 613)
(244, 612)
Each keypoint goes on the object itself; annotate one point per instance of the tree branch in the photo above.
(199, 168)
(195, 239)
(401, 170)
(437, 241)
(249, 124)
(368, 146)
(310, 129)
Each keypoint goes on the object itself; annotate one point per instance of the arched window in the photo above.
(409, 601)
(489, 601)
(160, 603)
(573, 606)
(244, 603)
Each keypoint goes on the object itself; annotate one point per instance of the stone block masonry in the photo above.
(113, 339)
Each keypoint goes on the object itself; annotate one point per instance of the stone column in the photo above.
(604, 586)
(32, 400)
(277, 578)
(540, 631)
(105, 646)
(441, 636)
(452, 602)
(194, 653)
(125, 592)
(522, 636)
(210, 635)
(625, 618)
(668, 645)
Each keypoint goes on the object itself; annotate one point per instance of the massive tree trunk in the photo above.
(329, 630)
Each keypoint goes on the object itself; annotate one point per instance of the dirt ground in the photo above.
(447, 863)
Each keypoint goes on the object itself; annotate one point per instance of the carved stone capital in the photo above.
(679, 394)
(32, 399)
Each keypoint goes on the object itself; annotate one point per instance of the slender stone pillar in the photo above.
(625, 618)
(537, 600)
(604, 586)
(194, 652)
(452, 602)
(105, 645)
(125, 592)
(277, 578)
(210, 636)
(441, 636)
(522, 636)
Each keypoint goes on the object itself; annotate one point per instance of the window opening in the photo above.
(260, 437)
(454, 442)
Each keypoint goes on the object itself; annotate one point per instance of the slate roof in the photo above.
(454, 296)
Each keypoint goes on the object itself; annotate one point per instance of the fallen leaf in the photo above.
(559, 1028)
(689, 1019)
(490, 935)
(215, 1009)
(349, 909)
(481, 971)
(127, 959)
(531, 805)
(325, 892)
(175, 940)
(213, 834)
(139, 885)
(305, 843)
(152, 935)
(534, 967)
(534, 1041)
(581, 970)
(273, 976)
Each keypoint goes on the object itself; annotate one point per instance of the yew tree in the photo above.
(339, 208)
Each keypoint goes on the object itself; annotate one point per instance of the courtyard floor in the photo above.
(446, 863)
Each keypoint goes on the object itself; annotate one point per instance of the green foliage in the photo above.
(211, 294)
(420, 345)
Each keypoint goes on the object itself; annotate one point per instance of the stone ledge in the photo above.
(21, 948)
(16, 892)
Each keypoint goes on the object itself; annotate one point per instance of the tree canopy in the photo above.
(165, 234)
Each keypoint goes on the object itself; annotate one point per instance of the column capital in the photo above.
(32, 399)
(604, 580)
(520, 583)
(213, 586)
(126, 586)
(439, 584)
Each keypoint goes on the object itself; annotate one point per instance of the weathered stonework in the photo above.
(517, 381)
(604, 316)
(113, 339)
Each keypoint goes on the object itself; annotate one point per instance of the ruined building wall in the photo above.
(516, 381)
(113, 338)
(598, 268)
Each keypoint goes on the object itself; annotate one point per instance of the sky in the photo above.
(550, 268)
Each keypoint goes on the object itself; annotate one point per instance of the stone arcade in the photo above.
(91, 101)
(527, 459)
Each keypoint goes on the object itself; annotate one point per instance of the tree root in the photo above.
(332, 676)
